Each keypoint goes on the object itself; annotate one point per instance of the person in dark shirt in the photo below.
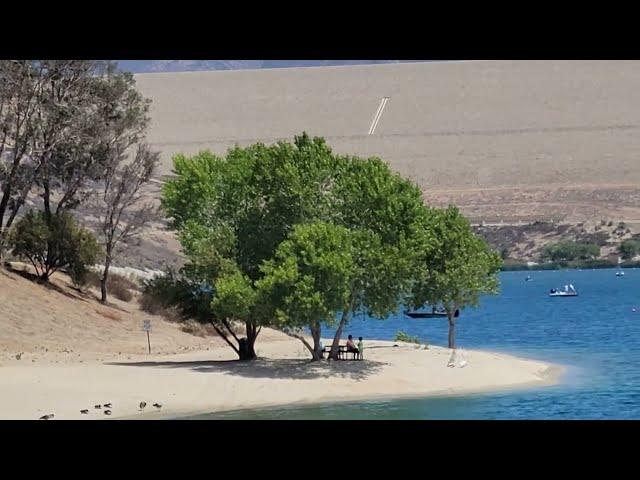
(351, 347)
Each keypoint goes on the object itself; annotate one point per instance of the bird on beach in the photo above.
(84, 412)
(47, 417)
(157, 405)
(107, 405)
(142, 405)
(107, 412)
(97, 406)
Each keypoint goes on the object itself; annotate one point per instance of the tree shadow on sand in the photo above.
(298, 369)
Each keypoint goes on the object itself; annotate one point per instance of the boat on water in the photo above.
(619, 273)
(569, 291)
(432, 314)
(528, 279)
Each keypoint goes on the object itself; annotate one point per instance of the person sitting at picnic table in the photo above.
(351, 347)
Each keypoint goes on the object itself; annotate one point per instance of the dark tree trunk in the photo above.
(452, 330)
(333, 355)
(105, 277)
(249, 353)
(315, 334)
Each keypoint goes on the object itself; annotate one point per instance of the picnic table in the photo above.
(342, 352)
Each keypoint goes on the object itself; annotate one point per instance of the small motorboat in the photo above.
(528, 279)
(569, 291)
(432, 314)
(619, 273)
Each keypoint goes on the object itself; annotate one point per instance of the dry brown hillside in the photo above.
(57, 324)
(507, 141)
(504, 140)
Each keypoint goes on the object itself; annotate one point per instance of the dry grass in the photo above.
(109, 315)
(50, 323)
(199, 330)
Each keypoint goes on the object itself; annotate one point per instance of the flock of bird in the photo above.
(107, 410)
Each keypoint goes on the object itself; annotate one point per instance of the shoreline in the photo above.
(211, 381)
(551, 377)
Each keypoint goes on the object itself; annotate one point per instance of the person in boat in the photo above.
(553, 290)
(351, 346)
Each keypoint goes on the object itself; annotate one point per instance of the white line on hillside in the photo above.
(376, 118)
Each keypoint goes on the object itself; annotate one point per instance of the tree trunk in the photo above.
(252, 335)
(315, 334)
(452, 330)
(105, 277)
(2, 246)
(333, 355)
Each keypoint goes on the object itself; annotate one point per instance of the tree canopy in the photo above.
(233, 213)
(308, 280)
(567, 251)
(629, 249)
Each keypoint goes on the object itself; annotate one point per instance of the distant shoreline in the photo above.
(595, 265)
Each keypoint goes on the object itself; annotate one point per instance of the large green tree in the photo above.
(232, 214)
(457, 267)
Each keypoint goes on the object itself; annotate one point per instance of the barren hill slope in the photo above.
(505, 140)
(57, 324)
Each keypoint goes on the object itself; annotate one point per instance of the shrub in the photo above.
(59, 243)
(629, 249)
(567, 251)
(168, 291)
(117, 285)
(404, 337)
(198, 329)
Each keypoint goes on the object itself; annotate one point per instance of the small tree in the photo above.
(121, 212)
(458, 269)
(629, 249)
(53, 245)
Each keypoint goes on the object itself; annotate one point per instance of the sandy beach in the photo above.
(209, 381)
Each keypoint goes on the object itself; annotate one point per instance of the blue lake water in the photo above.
(596, 335)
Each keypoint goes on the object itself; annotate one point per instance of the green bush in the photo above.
(629, 249)
(170, 293)
(59, 243)
(404, 337)
(567, 251)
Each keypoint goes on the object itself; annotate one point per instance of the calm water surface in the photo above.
(596, 335)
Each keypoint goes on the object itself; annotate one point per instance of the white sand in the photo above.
(211, 381)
